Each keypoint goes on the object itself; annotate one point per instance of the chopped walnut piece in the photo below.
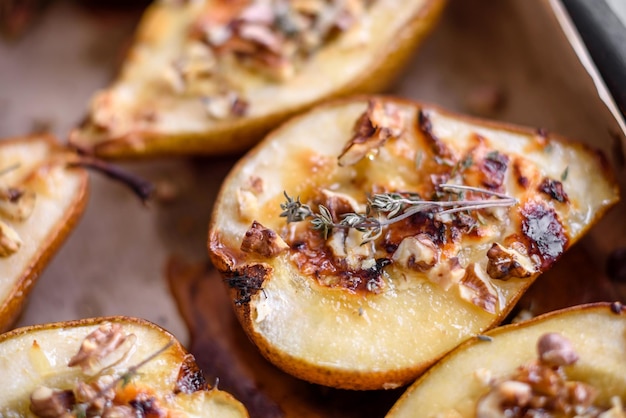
(541, 388)
(96, 395)
(556, 350)
(419, 253)
(254, 184)
(263, 241)
(247, 198)
(380, 122)
(195, 64)
(493, 169)
(102, 348)
(504, 263)
(224, 106)
(340, 203)
(554, 189)
(446, 274)
(508, 393)
(261, 35)
(358, 253)
(51, 403)
(274, 37)
(17, 204)
(476, 287)
(247, 204)
(120, 411)
(10, 240)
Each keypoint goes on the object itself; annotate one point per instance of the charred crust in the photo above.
(146, 406)
(190, 378)
(375, 272)
(248, 281)
(366, 279)
(554, 189)
(541, 225)
(493, 168)
(466, 224)
(425, 126)
(522, 180)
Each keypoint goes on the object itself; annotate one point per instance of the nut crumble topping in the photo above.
(542, 388)
(102, 348)
(380, 122)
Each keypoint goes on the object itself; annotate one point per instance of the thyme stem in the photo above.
(10, 168)
(130, 372)
(397, 207)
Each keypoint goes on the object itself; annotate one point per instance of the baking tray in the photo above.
(507, 60)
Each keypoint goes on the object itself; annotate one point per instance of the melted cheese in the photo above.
(142, 98)
(421, 312)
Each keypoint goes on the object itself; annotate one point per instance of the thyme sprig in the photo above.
(395, 207)
(125, 378)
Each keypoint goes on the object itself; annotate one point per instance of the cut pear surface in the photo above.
(212, 76)
(116, 366)
(365, 239)
(581, 348)
(41, 199)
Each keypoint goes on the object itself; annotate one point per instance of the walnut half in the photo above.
(505, 263)
(379, 123)
(476, 288)
(51, 403)
(10, 240)
(103, 348)
(263, 241)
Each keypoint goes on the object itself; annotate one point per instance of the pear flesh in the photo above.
(462, 383)
(103, 367)
(373, 308)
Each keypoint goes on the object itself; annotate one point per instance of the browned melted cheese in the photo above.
(465, 252)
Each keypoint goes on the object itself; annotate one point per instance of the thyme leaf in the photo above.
(323, 221)
(294, 210)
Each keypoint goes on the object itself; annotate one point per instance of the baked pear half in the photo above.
(104, 367)
(212, 76)
(41, 199)
(367, 238)
(567, 363)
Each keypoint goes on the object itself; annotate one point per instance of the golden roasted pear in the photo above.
(562, 364)
(365, 239)
(212, 76)
(41, 199)
(117, 366)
